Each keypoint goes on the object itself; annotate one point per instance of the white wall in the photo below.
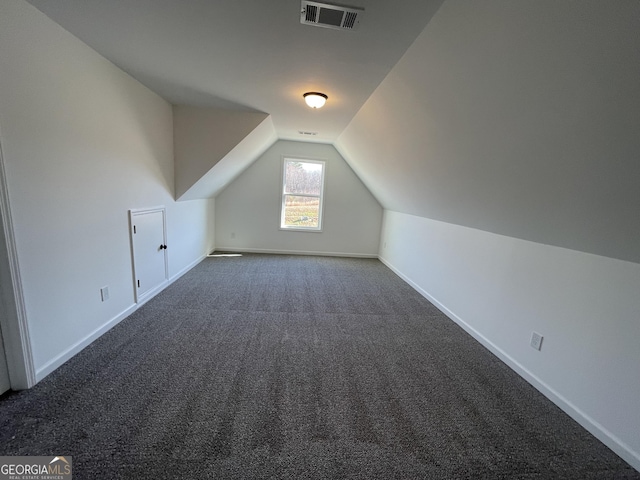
(83, 142)
(501, 289)
(248, 210)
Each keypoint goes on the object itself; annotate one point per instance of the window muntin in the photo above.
(302, 194)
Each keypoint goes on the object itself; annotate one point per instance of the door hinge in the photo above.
(134, 229)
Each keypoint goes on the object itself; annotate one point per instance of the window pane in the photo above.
(303, 177)
(301, 211)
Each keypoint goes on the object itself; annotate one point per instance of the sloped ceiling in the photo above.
(249, 55)
(518, 118)
(213, 146)
(246, 57)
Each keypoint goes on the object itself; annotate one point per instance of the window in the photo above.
(302, 190)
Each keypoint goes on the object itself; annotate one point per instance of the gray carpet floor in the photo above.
(291, 367)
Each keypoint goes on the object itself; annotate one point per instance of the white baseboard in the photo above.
(296, 252)
(596, 429)
(187, 268)
(77, 347)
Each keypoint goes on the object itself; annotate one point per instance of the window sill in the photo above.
(301, 229)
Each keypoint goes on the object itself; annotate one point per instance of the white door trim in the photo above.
(15, 327)
(142, 211)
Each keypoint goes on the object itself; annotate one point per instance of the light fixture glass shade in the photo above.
(315, 99)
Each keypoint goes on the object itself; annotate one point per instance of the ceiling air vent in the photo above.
(330, 16)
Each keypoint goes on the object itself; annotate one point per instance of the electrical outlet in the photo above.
(536, 340)
(104, 293)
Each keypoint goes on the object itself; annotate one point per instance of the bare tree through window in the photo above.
(303, 182)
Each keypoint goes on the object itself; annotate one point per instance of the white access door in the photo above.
(149, 242)
(4, 371)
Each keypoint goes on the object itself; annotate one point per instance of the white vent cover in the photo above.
(330, 16)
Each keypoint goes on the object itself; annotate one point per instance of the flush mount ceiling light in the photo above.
(315, 99)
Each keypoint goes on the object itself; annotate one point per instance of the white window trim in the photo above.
(283, 194)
